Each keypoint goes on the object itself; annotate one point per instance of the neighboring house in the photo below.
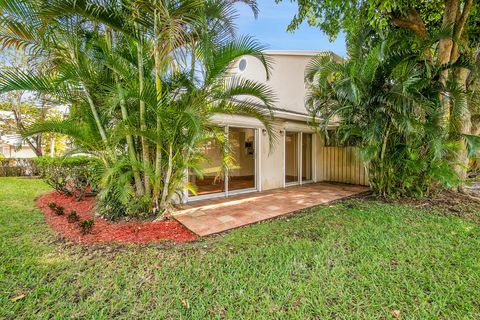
(12, 145)
(298, 156)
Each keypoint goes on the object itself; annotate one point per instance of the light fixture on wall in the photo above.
(282, 132)
(264, 132)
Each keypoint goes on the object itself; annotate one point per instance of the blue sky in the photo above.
(270, 29)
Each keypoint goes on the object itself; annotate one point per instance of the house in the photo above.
(12, 145)
(298, 156)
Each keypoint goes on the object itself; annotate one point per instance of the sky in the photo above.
(271, 25)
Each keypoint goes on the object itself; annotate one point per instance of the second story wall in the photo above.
(286, 76)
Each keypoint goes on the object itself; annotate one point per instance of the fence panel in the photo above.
(342, 164)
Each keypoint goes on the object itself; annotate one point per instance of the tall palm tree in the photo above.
(385, 98)
(137, 102)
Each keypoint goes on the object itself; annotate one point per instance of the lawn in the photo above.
(355, 259)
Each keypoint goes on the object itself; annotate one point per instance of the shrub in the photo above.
(86, 226)
(110, 206)
(70, 176)
(59, 210)
(18, 167)
(73, 217)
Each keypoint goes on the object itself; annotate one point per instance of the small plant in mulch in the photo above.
(52, 205)
(59, 210)
(73, 217)
(86, 226)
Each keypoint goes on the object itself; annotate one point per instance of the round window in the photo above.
(242, 65)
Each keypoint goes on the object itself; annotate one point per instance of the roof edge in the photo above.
(293, 52)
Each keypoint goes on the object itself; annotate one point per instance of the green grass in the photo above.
(355, 259)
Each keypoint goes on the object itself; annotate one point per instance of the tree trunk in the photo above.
(411, 21)
(123, 107)
(444, 56)
(158, 91)
(52, 146)
(464, 126)
(168, 176)
(93, 108)
(463, 123)
(130, 143)
(143, 122)
(475, 125)
(454, 19)
(462, 16)
(16, 109)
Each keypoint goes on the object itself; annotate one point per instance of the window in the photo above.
(298, 157)
(242, 65)
(291, 157)
(242, 148)
(242, 173)
(307, 150)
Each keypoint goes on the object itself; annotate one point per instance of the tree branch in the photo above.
(462, 19)
(17, 113)
(411, 21)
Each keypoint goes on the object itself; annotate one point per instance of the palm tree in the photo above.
(142, 83)
(386, 99)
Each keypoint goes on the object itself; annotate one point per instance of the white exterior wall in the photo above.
(271, 161)
(286, 78)
(287, 82)
(272, 173)
(10, 152)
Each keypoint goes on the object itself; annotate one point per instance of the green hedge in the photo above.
(12, 167)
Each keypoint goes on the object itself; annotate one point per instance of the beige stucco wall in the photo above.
(271, 159)
(286, 79)
(11, 152)
(272, 173)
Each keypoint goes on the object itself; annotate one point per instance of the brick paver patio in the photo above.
(216, 215)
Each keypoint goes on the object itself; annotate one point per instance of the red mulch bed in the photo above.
(105, 231)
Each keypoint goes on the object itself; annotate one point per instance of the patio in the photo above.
(212, 216)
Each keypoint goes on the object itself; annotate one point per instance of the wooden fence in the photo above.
(342, 164)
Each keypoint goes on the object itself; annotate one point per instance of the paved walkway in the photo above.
(216, 215)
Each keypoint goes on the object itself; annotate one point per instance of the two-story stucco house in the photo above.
(299, 155)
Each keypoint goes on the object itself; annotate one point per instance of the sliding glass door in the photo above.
(212, 180)
(298, 158)
(242, 173)
(307, 157)
(242, 148)
(291, 157)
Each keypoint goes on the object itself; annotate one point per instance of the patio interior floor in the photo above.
(212, 216)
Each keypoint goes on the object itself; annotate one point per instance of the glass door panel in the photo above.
(242, 148)
(212, 181)
(291, 157)
(307, 142)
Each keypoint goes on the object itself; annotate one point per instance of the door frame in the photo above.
(225, 194)
(299, 158)
(256, 160)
